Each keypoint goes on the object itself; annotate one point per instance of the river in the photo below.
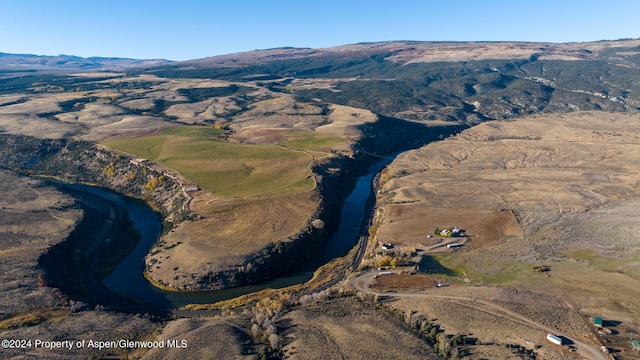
(128, 281)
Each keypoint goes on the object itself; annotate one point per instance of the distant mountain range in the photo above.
(466, 82)
(429, 51)
(454, 82)
(403, 52)
(69, 62)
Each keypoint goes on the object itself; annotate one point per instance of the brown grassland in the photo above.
(559, 192)
(549, 205)
(34, 217)
(343, 328)
(257, 187)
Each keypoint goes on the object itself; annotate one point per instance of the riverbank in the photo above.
(130, 285)
(88, 254)
(123, 175)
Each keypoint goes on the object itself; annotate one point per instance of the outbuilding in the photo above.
(554, 339)
(597, 321)
(445, 232)
(192, 188)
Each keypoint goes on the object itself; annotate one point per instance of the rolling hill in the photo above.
(249, 158)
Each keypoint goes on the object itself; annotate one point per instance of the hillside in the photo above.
(464, 82)
(323, 105)
(249, 158)
(451, 82)
(545, 203)
(223, 137)
(30, 63)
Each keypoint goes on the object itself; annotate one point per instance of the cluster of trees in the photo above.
(446, 345)
(200, 94)
(505, 88)
(314, 297)
(154, 182)
(109, 169)
(540, 268)
(392, 261)
(76, 104)
(33, 83)
(263, 325)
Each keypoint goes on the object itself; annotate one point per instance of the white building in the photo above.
(554, 339)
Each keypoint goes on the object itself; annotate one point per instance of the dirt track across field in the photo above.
(363, 282)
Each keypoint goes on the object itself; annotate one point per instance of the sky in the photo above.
(191, 29)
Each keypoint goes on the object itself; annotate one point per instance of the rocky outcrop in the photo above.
(273, 260)
(84, 162)
(160, 187)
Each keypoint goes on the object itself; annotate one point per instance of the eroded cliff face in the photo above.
(221, 252)
(33, 218)
(240, 242)
(77, 161)
(257, 266)
(166, 192)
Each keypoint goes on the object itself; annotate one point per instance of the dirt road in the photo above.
(591, 352)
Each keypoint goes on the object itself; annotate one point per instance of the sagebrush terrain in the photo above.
(249, 158)
(565, 186)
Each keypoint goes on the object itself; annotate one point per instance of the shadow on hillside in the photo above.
(430, 265)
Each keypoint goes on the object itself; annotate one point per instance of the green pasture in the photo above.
(621, 265)
(312, 141)
(226, 169)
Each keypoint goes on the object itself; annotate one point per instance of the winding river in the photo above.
(128, 281)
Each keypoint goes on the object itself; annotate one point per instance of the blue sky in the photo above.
(189, 29)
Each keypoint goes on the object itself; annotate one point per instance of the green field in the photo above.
(226, 169)
(312, 141)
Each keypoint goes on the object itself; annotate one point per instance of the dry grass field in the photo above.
(342, 328)
(225, 169)
(228, 233)
(482, 227)
(345, 119)
(126, 106)
(437, 52)
(400, 282)
(213, 338)
(22, 118)
(10, 99)
(34, 217)
(253, 195)
(492, 328)
(207, 110)
(40, 115)
(556, 190)
(257, 187)
(33, 106)
(336, 328)
(277, 112)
